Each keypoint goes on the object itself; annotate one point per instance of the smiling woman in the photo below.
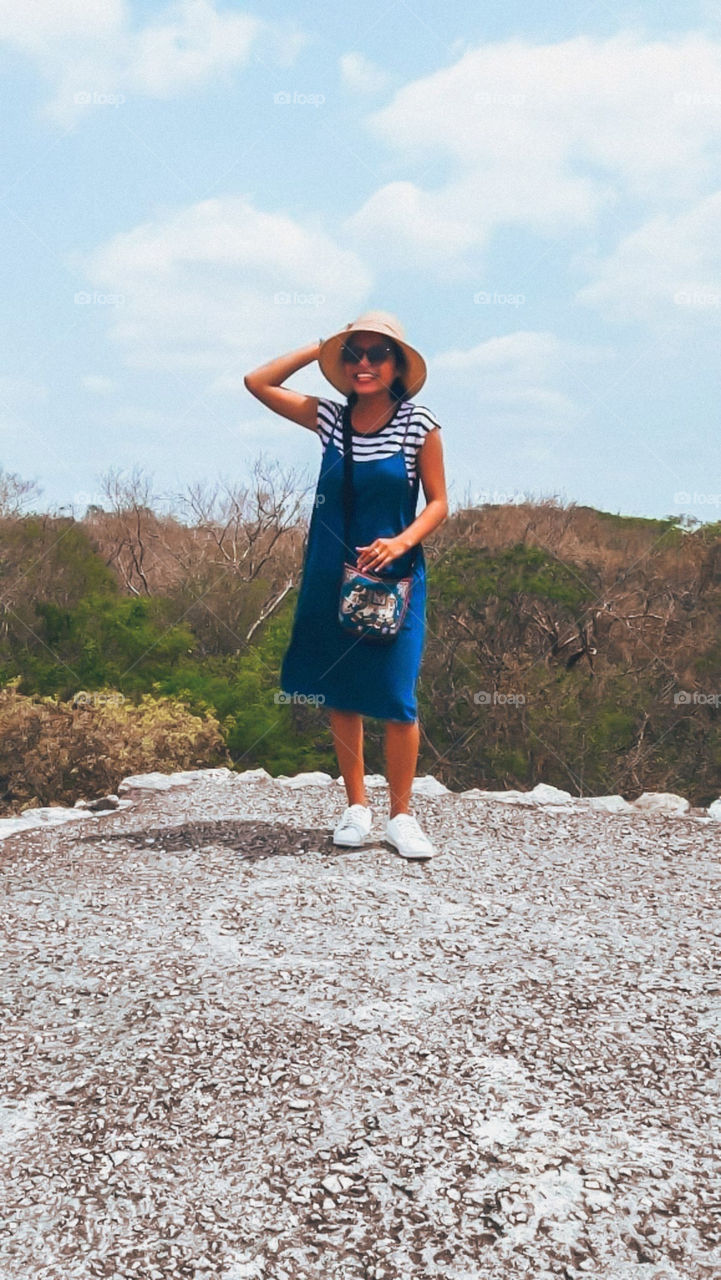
(378, 448)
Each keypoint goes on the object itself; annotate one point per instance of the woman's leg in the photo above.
(402, 741)
(347, 729)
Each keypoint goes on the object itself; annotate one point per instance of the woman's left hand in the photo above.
(379, 553)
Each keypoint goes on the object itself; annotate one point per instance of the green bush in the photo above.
(56, 752)
(102, 640)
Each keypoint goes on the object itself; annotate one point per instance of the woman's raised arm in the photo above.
(266, 382)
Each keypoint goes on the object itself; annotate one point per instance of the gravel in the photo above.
(232, 1050)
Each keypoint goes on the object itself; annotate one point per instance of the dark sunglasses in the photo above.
(376, 354)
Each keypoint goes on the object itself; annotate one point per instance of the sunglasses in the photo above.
(376, 354)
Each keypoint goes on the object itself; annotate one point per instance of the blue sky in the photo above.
(190, 189)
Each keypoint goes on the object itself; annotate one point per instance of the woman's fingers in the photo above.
(377, 553)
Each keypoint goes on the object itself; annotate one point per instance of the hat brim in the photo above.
(337, 372)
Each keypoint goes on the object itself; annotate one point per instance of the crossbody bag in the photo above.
(371, 606)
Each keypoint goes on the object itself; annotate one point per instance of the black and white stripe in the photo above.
(411, 420)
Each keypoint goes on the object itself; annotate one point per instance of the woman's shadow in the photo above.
(251, 839)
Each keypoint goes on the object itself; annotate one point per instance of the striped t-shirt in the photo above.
(368, 446)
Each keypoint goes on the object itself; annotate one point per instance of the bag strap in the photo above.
(348, 482)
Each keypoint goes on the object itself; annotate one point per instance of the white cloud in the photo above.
(37, 25)
(188, 45)
(404, 226)
(98, 383)
(361, 75)
(546, 137)
(670, 268)
(515, 381)
(221, 285)
(91, 52)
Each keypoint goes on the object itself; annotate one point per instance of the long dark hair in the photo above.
(398, 390)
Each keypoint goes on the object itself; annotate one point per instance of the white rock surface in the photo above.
(252, 775)
(147, 782)
(371, 780)
(219, 774)
(661, 802)
(51, 816)
(499, 1064)
(506, 797)
(427, 785)
(611, 804)
(543, 793)
(182, 778)
(552, 799)
(315, 778)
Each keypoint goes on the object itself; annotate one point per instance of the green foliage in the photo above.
(507, 765)
(582, 643)
(474, 574)
(709, 533)
(104, 640)
(57, 559)
(243, 691)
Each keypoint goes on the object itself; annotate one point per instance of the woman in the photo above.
(396, 445)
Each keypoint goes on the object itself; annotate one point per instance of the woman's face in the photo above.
(369, 376)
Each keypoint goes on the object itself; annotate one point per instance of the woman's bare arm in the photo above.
(265, 384)
(379, 553)
(433, 480)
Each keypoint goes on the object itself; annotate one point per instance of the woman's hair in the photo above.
(398, 389)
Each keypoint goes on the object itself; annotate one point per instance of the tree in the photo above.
(15, 494)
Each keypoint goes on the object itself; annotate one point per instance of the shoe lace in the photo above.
(408, 823)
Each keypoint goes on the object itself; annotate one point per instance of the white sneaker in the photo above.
(404, 832)
(354, 827)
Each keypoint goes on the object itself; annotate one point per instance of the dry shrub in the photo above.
(57, 752)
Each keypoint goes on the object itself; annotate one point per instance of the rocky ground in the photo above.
(233, 1051)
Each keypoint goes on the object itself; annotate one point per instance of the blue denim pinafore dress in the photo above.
(322, 661)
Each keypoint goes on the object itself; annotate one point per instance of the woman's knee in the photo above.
(346, 724)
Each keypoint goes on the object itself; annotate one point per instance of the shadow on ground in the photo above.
(252, 839)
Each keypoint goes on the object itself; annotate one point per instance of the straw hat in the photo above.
(381, 322)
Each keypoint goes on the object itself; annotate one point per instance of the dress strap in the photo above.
(348, 483)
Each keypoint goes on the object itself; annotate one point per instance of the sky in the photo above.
(188, 190)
